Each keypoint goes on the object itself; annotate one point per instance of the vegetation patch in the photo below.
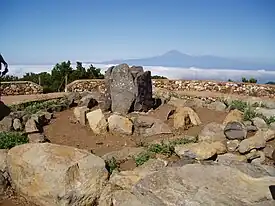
(11, 139)
(167, 149)
(42, 105)
(112, 165)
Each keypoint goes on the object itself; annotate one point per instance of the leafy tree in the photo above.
(244, 80)
(94, 73)
(252, 80)
(158, 77)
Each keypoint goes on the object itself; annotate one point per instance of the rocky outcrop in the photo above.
(20, 88)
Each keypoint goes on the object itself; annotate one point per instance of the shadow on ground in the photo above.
(4, 110)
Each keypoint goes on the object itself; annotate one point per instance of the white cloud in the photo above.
(171, 72)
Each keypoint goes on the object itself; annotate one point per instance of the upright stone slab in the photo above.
(144, 95)
(122, 88)
(128, 89)
(107, 96)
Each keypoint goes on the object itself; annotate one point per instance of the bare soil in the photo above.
(64, 130)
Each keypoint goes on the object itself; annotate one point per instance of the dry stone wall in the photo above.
(20, 88)
(257, 90)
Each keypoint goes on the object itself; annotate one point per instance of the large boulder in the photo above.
(50, 174)
(128, 89)
(195, 184)
(212, 132)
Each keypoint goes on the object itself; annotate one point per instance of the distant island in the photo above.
(175, 58)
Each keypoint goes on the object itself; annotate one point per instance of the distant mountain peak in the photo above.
(173, 53)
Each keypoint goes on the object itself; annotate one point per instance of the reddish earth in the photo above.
(64, 130)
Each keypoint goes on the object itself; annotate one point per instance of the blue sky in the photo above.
(49, 31)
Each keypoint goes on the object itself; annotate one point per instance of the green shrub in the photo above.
(11, 139)
(238, 104)
(165, 149)
(142, 157)
(111, 165)
(269, 120)
(249, 113)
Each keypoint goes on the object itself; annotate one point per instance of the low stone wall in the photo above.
(257, 90)
(20, 88)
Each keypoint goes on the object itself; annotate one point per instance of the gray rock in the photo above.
(235, 130)
(251, 128)
(217, 106)
(268, 134)
(122, 89)
(260, 159)
(253, 154)
(149, 126)
(266, 112)
(195, 103)
(163, 112)
(120, 124)
(88, 101)
(37, 138)
(212, 132)
(232, 145)
(196, 184)
(31, 126)
(239, 162)
(143, 97)
(255, 142)
(247, 123)
(268, 150)
(73, 98)
(56, 175)
(17, 125)
(18, 114)
(201, 150)
(6, 124)
(259, 123)
(229, 157)
(269, 104)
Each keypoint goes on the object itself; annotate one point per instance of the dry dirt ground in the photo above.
(64, 130)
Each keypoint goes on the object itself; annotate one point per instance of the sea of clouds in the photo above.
(171, 72)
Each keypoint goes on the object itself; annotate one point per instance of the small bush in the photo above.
(165, 149)
(11, 139)
(238, 104)
(142, 157)
(249, 113)
(269, 120)
(111, 165)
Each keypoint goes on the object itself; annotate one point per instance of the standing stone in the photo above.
(143, 82)
(128, 89)
(122, 89)
(107, 95)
